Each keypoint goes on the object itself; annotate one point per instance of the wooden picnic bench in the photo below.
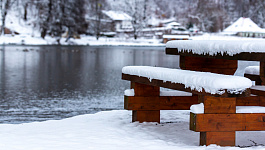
(219, 121)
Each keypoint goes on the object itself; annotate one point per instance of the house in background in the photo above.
(110, 22)
(118, 20)
(244, 27)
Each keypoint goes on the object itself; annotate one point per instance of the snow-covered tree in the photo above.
(137, 9)
(5, 6)
(58, 16)
(94, 11)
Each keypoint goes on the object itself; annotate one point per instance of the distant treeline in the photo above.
(55, 17)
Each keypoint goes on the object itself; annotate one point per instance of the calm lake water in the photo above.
(40, 83)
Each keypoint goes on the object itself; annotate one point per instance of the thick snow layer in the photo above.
(252, 70)
(113, 130)
(130, 92)
(199, 109)
(213, 47)
(210, 82)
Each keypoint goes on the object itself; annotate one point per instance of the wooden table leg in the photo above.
(217, 105)
(145, 115)
(262, 72)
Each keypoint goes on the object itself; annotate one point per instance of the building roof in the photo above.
(243, 25)
(117, 15)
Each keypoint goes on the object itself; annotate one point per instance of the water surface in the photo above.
(40, 83)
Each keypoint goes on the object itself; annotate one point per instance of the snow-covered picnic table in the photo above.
(218, 56)
(203, 65)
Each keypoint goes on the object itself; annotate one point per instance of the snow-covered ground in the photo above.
(28, 39)
(113, 130)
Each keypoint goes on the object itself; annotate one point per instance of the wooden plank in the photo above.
(177, 86)
(146, 90)
(250, 101)
(241, 56)
(218, 138)
(220, 66)
(159, 102)
(255, 78)
(227, 122)
(219, 105)
(146, 116)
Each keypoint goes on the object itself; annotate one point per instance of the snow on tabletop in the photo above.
(252, 70)
(212, 47)
(210, 82)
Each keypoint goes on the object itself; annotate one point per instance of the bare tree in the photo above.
(136, 9)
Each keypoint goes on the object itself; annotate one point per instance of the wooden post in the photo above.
(218, 105)
(145, 91)
(221, 66)
(262, 72)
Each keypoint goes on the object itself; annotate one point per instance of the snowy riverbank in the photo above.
(113, 130)
(84, 40)
(27, 39)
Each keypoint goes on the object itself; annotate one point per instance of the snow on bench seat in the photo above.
(130, 92)
(254, 70)
(209, 82)
(199, 109)
(212, 47)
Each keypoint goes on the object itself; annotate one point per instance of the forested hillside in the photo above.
(54, 17)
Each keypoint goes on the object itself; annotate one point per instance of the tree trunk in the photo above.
(43, 33)
(26, 12)
(45, 28)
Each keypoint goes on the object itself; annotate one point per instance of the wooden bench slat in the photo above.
(159, 102)
(250, 101)
(227, 122)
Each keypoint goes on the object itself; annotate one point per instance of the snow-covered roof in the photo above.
(173, 24)
(167, 21)
(117, 15)
(154, 21)
(243, 25)
(172, 36)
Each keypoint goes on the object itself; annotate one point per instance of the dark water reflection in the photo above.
(39, 83)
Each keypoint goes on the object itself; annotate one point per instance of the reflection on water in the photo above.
(39, 83)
